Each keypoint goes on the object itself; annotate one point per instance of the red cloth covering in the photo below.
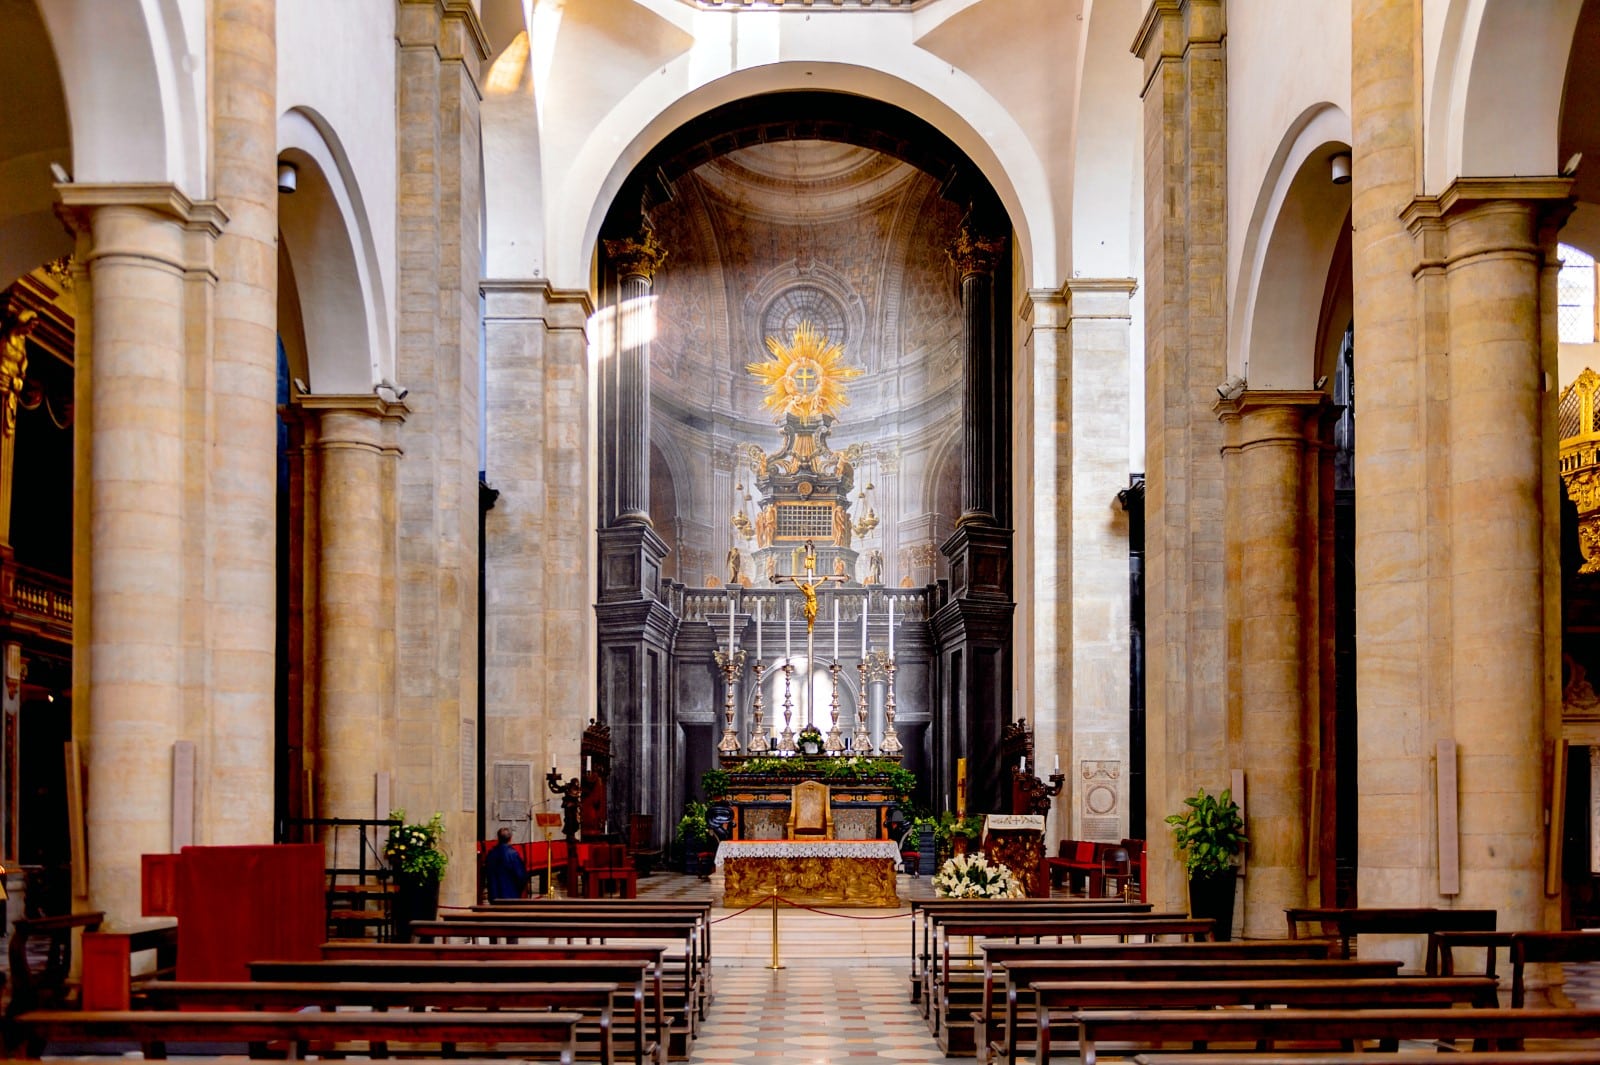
(242, 904)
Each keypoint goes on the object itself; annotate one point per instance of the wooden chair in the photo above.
(605, 865)
(641, 842)
(810, 811)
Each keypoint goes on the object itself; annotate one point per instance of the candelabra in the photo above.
(861, 742)
(759, 744)
(731, 663)
(834, 744)
(786, 737)
(891, 742)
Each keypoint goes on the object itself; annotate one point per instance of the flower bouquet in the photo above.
(972, 877)
(413, 850)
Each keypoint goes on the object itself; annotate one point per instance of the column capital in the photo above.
(79, 201)
(972, 252)
(1260, 416)
(360, 420)
(637, 256)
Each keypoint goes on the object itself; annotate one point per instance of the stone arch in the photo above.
(1495, 97)
(327, 238)
(136, 93)
(34, 132)
(645, 117)
(1294, 229)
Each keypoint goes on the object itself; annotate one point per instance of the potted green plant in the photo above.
(1210, 835)
(696, 838)
(417, 865)
(714, 783)
(809, 741)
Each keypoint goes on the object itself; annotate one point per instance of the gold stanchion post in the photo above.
(776, 964)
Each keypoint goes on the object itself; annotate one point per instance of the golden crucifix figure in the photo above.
(808, 584)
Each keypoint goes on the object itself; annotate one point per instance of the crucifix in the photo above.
(808, 584)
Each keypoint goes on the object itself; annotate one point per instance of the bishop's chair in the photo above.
(810, 811)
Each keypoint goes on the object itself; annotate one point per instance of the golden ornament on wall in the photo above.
(804, 377)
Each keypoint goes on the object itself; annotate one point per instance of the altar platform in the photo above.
(833, 872)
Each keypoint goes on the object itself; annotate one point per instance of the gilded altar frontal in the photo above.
(797, 424)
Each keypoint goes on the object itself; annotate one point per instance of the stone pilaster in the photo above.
(540, 669)
(236, 782)
(1272, 466)
(139, 245)
(636, 260)
(441, 52)
(1181, 44)
(1074, 615)
(356, 610)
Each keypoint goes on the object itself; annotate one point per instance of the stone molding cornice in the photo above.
(467, 14)
(1271, 416)
(369, 404)
(1433, 221)
(512, 299)
(1061, 299)
(79, 200)
(1162, 26)
(1468, 192)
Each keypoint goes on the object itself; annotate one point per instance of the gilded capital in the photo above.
(641, 255)
(974, 253)
(14, 368)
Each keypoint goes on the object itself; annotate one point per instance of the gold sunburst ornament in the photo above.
(804, 377)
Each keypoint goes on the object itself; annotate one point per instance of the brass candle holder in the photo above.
(731, 663)
(759, 744)
(834, 744)
(891, 741)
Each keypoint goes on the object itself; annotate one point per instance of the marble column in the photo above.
(356, 611)
(973, 630)
(137, 243)
(636, 260)
(635, 626)
(1271, 465)
(237, 754)
(1185, 239)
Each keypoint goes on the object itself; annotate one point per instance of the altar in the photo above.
(829, 872)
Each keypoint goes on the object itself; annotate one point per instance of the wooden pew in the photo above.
(1402, 1057)
(46, 985)
(925, 915)
(1497, 1028)
(515, 908)
(1348, 923)
(997, 955)
(1055, 999)
(922, 911)
(600, 927)
(153, 1029)
(998, 927)
(590, 999)
(1023, 974)
(630, 976)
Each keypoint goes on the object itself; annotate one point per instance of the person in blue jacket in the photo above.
(503, 871)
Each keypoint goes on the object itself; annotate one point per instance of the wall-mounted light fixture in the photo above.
(1339, 169)
(288, 177)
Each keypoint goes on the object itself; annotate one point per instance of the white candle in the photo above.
(1058, 763)
(836, 628)
(863, 628)
(788, 648)
(758, 630)
(891, 630)
(730, 625)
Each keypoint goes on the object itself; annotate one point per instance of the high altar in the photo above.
(832, 872)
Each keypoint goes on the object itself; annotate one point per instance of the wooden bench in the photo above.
(1402, 1057)
(1495, 1028)
(997, 955)
(551, 1032)
(1524, 949)
(1023, 974)
(516, 908)
(1059, 928)
(46, 985)
(1348, 923)
(638, 968)
(926, 914)
(592, 999)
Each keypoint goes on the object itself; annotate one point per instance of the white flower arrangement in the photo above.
(964, 877)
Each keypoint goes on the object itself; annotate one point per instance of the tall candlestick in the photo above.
(788, 648)
(730, 623)
(891, 628)
(863, 627)
(758, 630)
(836, 628)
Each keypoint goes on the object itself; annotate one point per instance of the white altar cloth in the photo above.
(808, 848)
